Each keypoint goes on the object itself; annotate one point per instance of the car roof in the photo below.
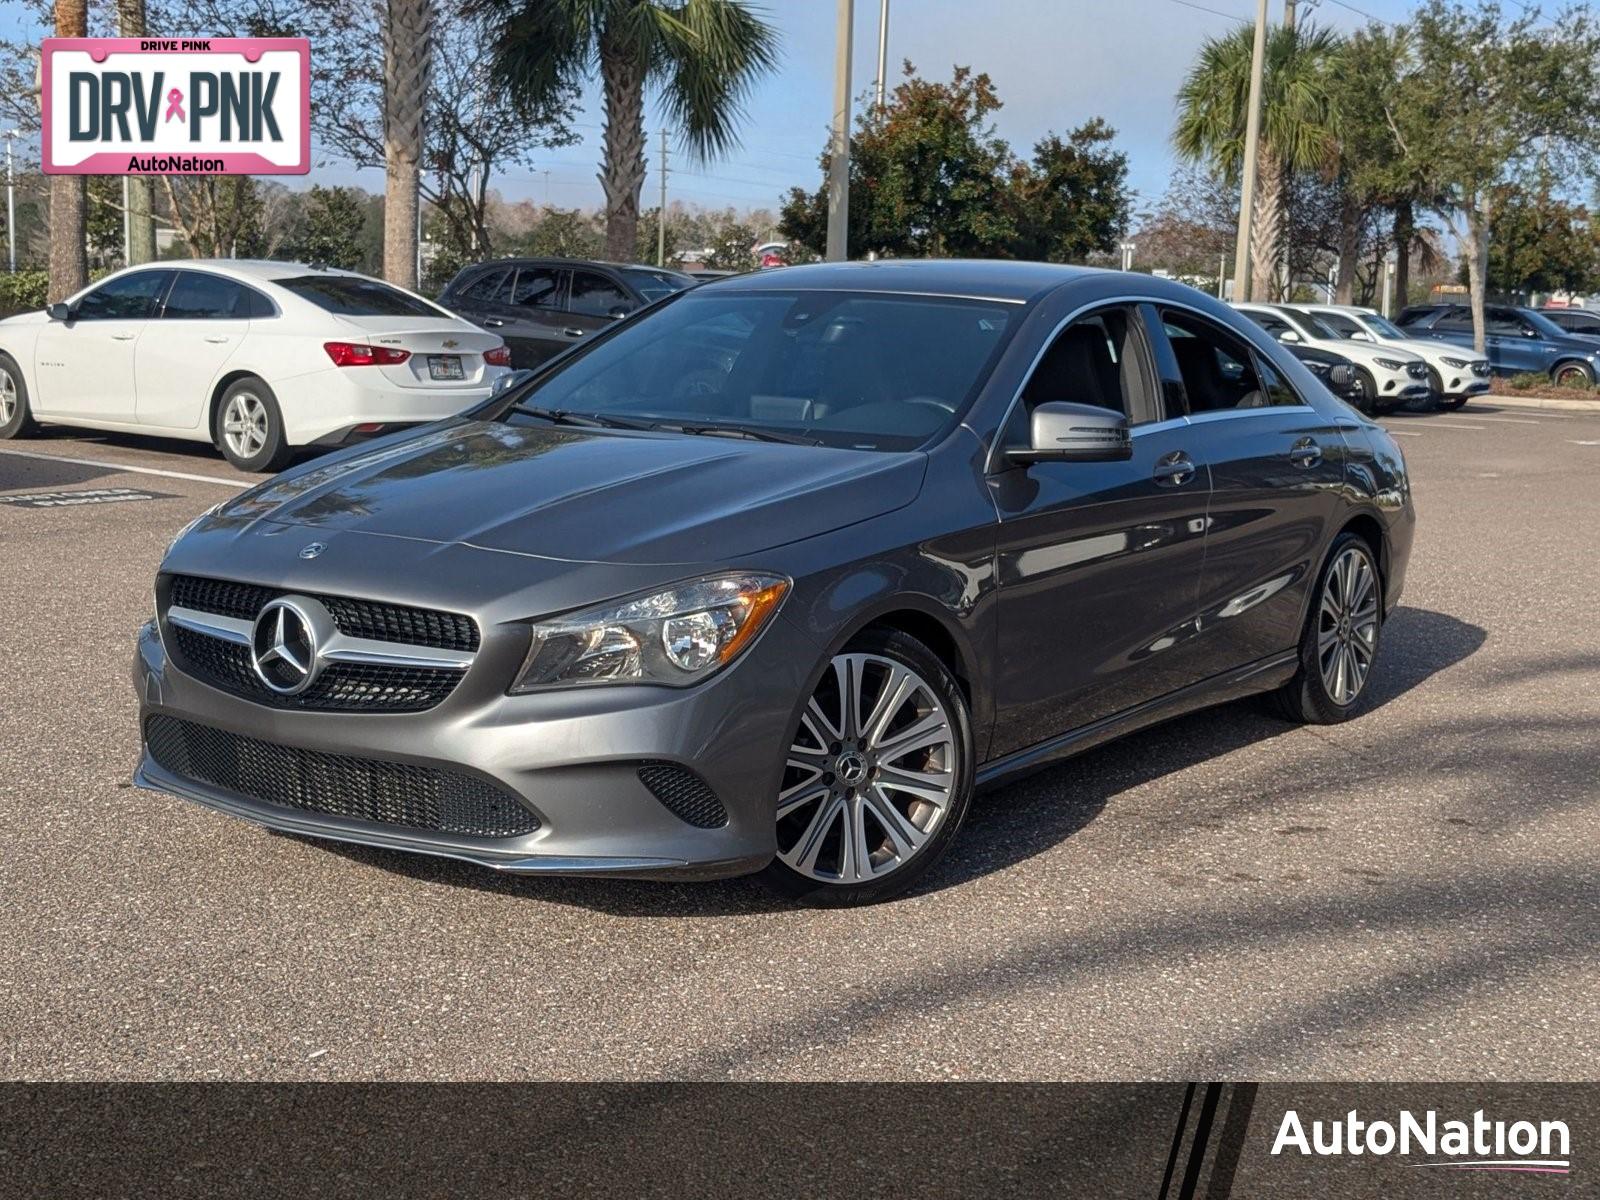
(513, 260)
(989, 279)
(261, 269)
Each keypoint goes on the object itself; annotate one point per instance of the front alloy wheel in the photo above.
(1340, 643)
(877, 778)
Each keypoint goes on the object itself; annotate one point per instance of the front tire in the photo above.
(15, 418)
(1368, 403)
(248, 427)
(879, 775)
(1573, 375)
(1436, 397)
(1339, 645)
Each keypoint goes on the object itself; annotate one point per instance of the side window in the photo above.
(197, 296)
(126, 298)
(596, 296)
(1096, 361)
(1502, 322)
(1340, 324)
(1456, 320)
(487, 286)
(1271, 322)
(1219, 370)
(537, 287)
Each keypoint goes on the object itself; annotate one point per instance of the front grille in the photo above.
(684, 794)
(337, 785)
(342, 687)
(355, 618)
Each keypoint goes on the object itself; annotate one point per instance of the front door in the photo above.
(594, 302)
(1515, 347)
(85, 364)
(1099, 563)
(530, 316)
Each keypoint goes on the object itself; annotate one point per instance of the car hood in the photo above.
(1429, 350)
(586, 496)
(1366, 352)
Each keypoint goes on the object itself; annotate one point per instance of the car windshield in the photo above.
(352, 296)
(1316, 327)
(869, 371)
(653, 285)
(1384, 327)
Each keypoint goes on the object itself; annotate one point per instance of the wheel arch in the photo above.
(218, 389)
(1573, 360)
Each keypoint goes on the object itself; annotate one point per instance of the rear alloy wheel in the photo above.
(14, 418)
(249, 428)
(1573, 375)
(878, 777)
(1339, 646)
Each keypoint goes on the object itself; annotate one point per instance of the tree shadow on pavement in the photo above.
(1006, 825)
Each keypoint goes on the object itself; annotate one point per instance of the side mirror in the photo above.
(59, 311)
(1288, 335)
(1361, 336)
(618, 311)
(1075, 433)
(510, 380)
(1341, 376)
(1528, 331)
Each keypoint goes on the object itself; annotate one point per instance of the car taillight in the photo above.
(357, 354)
(500, 356)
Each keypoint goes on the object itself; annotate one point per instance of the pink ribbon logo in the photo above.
(174, 105)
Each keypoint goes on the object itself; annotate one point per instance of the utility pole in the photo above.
(883, 47)
(839, 151)
(11, 203)
(1252, 139)
(661, 213)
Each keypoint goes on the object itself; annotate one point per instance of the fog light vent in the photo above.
(684, 794)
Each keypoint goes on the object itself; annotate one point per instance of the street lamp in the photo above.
(11, 203)
(1127, 249)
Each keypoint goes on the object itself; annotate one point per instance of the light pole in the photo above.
(1127, 249)
(839, 150)
(1252, 138)
(11, 205)
(883, 47)
(661, 213)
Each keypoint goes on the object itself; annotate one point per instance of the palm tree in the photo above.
(1299, 122)
(703, 55)
(69, 266)
(407, 65)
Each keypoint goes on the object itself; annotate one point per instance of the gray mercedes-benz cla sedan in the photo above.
(774, 575)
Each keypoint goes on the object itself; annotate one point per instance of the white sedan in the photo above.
(1388, 378)
(259, 358)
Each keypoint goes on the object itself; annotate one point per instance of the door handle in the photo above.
(493, 322)
(217, 341)
(571, 332)
(1175, 470)
(123, 337)
(1305, 453)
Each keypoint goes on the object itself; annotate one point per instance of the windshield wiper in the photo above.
(560, 416)
(742, 431)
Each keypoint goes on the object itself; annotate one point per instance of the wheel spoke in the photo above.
(931, 786)
(799, 796)
(847, 673)
(907, 838)
(857, 863)
(819, 720)
(929, 730)
(805, 850)
(897, 688)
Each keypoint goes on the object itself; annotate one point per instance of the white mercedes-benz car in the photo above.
(1388, 378)
(1455, 375)
(258, 358)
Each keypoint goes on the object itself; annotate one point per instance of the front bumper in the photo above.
(572, 758)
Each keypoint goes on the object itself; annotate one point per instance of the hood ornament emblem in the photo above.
(314, 549)
(284, 645)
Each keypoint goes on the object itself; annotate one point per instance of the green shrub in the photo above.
(1528, 381)
(22, 291)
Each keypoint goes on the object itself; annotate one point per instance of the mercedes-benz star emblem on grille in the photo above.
(314, 549)
(283, 646)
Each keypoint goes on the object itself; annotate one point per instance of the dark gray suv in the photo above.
(776, 574)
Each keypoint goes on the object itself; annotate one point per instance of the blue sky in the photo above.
(1055, 63)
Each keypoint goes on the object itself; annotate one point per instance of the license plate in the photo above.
(444, 366)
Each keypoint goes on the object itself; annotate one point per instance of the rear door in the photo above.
(199, 328)
(1277, 472)
(1099, 563)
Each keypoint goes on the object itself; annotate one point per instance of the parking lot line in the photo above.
(119, 467)
(1404, 432)
(1442, 425)
(1510, 420)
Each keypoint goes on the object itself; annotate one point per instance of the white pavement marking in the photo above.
(1442, 425)
(1404, 432)
(119, 467)
(1511, 420)
(1576, 442)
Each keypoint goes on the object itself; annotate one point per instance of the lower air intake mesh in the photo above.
(684, 794)
(338, 785)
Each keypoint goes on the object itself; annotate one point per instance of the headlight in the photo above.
(1459, 364)
(676, 637)
(1390, 364)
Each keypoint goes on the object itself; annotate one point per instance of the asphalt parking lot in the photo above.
(1409, 896)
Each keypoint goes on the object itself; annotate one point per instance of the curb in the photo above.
(1535, 402)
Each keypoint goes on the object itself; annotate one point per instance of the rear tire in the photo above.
(15, 419)
(248, 427)
(1573, 375)
(875, 789)
(1340, 642)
